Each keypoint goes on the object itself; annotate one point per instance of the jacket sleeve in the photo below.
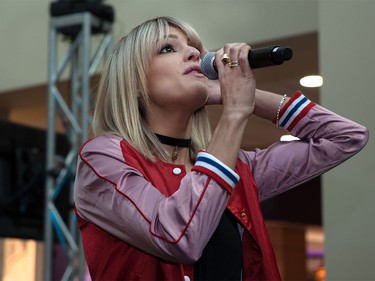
(325, 141)
(117, 198)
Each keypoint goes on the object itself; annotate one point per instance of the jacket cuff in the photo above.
(294, 110)
(213, 167)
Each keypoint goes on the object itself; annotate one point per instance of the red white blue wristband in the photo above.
(213, 167)
(294, 110)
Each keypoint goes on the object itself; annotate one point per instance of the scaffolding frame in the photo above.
(76, 119)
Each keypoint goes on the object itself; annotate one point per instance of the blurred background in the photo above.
(322, 230)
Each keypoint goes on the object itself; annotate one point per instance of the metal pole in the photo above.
(48, 236)
(76, 119)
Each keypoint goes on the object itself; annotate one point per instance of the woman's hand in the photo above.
(214, 94)
(237, 81)
(235, 89)
(231, 77)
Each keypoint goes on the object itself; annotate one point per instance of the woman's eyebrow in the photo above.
(173, 36)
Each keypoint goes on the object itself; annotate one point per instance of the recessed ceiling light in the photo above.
(311, 81)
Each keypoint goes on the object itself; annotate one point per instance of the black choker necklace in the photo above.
(173, 142)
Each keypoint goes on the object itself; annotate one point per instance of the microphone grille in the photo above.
(207, 66)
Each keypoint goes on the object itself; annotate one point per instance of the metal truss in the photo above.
(75, 115)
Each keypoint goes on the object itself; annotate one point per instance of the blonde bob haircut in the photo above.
(123, 97)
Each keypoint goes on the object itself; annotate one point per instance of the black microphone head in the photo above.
(208, 66)
(280, 54)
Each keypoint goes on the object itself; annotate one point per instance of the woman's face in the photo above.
(175, 80)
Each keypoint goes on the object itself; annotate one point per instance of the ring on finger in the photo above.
(226, 59)
(234, 63)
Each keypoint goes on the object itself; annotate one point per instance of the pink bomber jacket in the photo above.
(151, 221)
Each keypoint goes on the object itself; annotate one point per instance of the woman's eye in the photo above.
(167, 49)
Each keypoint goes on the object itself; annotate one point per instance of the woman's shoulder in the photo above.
(104, 143)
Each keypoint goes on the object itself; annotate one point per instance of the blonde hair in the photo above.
(123, 96)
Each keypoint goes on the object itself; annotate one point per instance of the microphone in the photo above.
(258, 58)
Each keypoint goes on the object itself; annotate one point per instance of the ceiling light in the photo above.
(311, 81)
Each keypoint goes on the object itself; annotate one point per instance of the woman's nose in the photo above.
(192, 54)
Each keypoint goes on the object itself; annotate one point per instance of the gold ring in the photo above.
(234, 63)
(226, 59)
